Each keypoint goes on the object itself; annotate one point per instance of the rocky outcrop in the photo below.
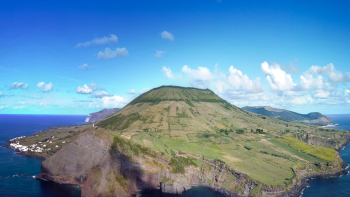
(302, 184)
(76, 158)
(97, 116)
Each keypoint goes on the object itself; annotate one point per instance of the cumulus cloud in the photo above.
(132, 91)
(278, 79)
(113, 101)
(100, 94)
(16, 85)
(99, 41)
(45, 87)
(110, 54)
(321, 94)
(86, 89)
(330, 71)
(302, 100)
(167, 72)
(167, 35)
(239, 86)
(84, 67)
(159, 53)
(200, 77)
(202, 73)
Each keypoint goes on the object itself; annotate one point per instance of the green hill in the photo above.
(176, 93)
(315, 118)
(187, 136)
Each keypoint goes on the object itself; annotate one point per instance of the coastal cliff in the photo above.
(172, 138)
(105, 168)
(96, 116)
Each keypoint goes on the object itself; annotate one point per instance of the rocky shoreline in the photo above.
(296, 191)
(298, 188)
(342, 146)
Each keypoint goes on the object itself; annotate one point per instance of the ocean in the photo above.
(25, 125)
(335, 186)
(11, 164)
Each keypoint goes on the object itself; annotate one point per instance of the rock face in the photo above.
(76, 158)
(93, 117)
(314, 118)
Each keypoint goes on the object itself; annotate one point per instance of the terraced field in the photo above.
(199, 123)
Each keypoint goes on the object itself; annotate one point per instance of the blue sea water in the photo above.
(10, 163)
(337, 186)
(18, 125)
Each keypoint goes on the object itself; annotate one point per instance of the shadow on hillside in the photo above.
(131, 175)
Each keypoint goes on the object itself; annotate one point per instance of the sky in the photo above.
(78, 57)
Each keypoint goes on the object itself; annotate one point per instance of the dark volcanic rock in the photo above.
(93, 117)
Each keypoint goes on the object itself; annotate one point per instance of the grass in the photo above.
(317, 151)
(296, 152)
(189, 120)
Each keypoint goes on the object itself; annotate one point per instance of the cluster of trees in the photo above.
(226, 131)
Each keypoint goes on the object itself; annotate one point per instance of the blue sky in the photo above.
(79, 57)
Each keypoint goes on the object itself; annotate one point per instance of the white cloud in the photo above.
(114, 101)
(159, 53)
(167, 35)
(2, 107)
(321, 94)
(346, 92)
(238, 80)
(278, 79)
(93, 86)
(45, 87)
(309, 82)
(41, 103)
(302, 100)
(85, 89)
(132, 91)
(84, 67)
(110, 54)
(16, 85)
(22, 102)
(330, 71)
(238, 86)
(99, 41)
(88, 89)
(167, 72)
(100, 94)
(40, 84)
(202, 73)
(201, 77)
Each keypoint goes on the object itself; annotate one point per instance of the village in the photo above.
(38, 148)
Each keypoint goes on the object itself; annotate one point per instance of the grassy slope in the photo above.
(285, 114)
(201, 123)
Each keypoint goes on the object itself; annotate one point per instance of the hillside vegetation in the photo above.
(315, 118)
(198, 122)
(170, 138)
